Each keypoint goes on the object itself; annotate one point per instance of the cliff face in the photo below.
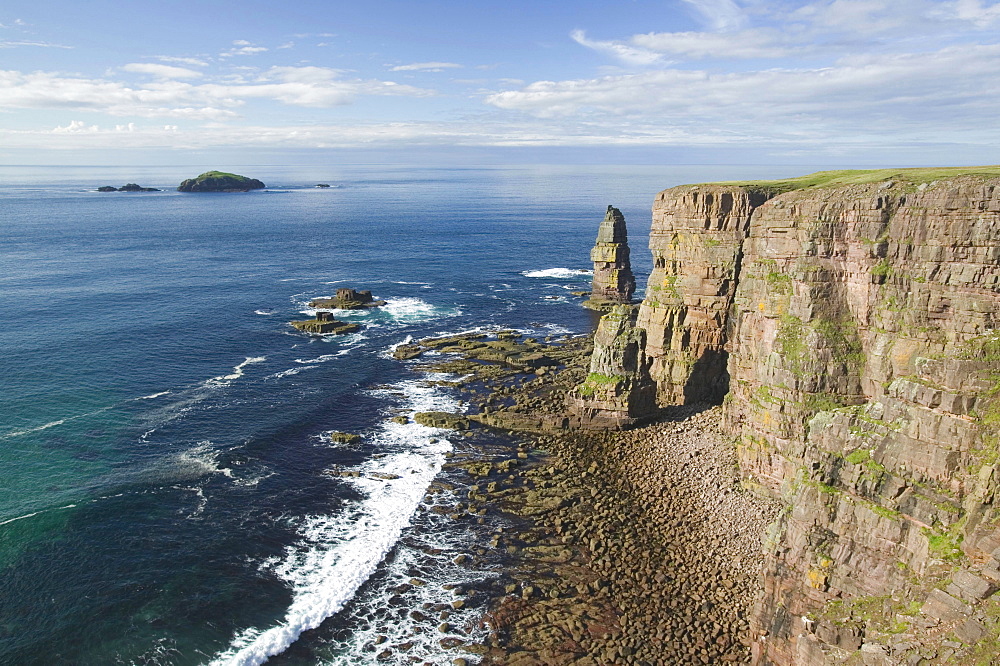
(849, 331)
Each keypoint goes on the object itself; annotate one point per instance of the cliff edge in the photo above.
(848, 322)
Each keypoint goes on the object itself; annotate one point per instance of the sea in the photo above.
(169, 489)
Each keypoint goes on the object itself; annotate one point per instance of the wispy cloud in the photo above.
(975, 11)
(243, 47)
(425, 67)
(13, 44)
(628, 54)
(161, 71)
(720, 14)
(191, 62)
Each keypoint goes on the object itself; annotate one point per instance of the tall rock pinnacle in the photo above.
(613, 279)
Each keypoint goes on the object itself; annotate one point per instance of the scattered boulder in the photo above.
(442, 420)
(343, 437)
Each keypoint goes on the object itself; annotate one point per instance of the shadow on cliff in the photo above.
(708, 382)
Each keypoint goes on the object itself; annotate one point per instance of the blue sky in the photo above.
(675, 81)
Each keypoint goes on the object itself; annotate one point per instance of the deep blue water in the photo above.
(165, 495)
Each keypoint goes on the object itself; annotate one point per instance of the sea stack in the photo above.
(613, 279)
(618, 392)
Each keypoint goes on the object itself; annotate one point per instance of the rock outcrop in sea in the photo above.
(613, 280)
(219, 181)
(347, 299)
(128, 187)
(325, 324)
(849, 323)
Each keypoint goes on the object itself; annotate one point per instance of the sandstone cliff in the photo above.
(849, 323)
(613, 281)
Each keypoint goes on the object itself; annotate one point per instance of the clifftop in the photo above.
(219, 181)
(827, 179)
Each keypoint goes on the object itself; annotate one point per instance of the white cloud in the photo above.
(13, 44)
(76, 126)
(191, 62)
(918, 95)
(297, 86)
(425, 67)
(243, 47)
(623, 52)
(720, 14)
(161, 71)
(753, 43)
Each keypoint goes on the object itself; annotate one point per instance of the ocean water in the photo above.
(167, 494)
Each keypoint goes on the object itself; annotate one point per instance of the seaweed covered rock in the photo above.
(219, 181)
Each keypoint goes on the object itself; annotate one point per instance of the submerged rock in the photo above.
(219, 181)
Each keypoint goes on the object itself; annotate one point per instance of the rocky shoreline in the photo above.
(630, 547)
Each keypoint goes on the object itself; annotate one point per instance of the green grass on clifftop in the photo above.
(822, 179)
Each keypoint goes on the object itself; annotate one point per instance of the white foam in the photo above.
(557, 273)
(35, 513)
(153, 395)
(335, 555)
(225, 380)
(410, 310)
(264, 312)
(290, 372)
(52, 424)
(200, 460)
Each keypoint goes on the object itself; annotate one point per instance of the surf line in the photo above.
(339, 553)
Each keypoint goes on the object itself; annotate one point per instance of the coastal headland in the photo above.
(816, 482)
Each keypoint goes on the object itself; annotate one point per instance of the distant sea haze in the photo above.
(168, 494)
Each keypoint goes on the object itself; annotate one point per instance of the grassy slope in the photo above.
(863, 176)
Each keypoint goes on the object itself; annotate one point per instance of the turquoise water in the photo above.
(165, 495)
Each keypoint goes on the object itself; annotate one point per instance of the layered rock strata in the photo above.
(850, 330)
(696, 240)
(613, 281)
(618, 391)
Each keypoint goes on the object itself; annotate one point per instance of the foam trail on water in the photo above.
(337, 554)
(557, 273)
(224, 380)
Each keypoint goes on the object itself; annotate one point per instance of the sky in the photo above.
(852, 82)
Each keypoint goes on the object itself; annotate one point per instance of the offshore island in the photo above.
(786, 454)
